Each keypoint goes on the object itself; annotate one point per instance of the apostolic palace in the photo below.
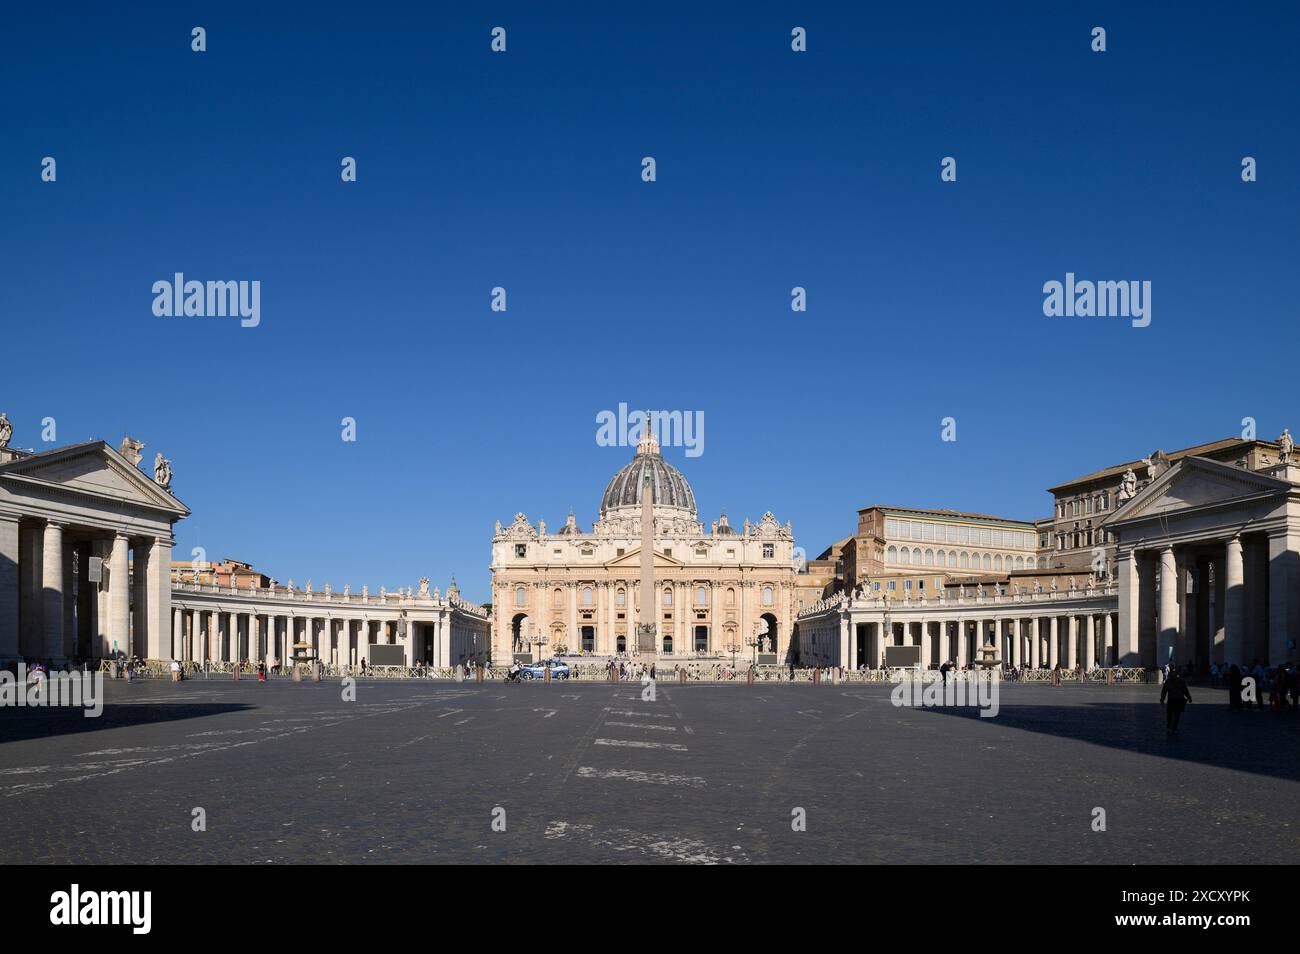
(1190, 556)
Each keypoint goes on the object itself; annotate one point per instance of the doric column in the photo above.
(1283, 595)
(52, 592)
(1072, 634)
(1035, 644)
(1168, 607)
(1108, 654)
(961, 642)
(177, 645)
(1234, 605)
(1130, 613)
(232, 637)
(119, 602)
(1090, 644)
(1053, 642)
(10, 558)
(160, 599)
(1016, 639)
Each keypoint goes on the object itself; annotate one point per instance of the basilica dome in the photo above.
(667, 486)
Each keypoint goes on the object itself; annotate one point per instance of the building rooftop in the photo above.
(1199, 450)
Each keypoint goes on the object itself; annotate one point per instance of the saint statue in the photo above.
(1128, 485)
(162, 472)
(1284, 442)
(6, 430)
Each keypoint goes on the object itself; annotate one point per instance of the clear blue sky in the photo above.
(523, 170)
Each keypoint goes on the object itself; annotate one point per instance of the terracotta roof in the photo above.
(1198, 450)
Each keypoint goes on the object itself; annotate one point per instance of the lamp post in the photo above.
(734, 650)
(539, 641)
(753, 643)
(887, 636)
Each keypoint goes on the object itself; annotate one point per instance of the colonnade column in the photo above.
(52, 591)
(1053, 642)
(1035, 650)
(1016, 637)
(1109, 656)
(1130, 610)
(1234, 604)
(1090, 644)
(10, 560)
(119, 600)
(1168, 607)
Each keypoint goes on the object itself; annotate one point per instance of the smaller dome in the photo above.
(725, 529)
(570, 528)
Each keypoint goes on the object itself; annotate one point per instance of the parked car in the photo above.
(537, 670)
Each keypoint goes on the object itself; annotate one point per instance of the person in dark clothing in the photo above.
(943, 671)
(1234, 688)
(1174, 696)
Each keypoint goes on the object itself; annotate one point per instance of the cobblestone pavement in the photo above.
(412, 772)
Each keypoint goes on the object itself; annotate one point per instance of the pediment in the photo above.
(93, 469)
(633, 559)
(1196, 482)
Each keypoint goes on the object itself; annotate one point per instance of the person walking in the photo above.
(1174, 696)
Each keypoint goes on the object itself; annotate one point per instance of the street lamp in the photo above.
(733, 649)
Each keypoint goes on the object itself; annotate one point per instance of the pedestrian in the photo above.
(1234, 688)
(1257, 673)
(943, 671)
(1174, 695)
(261, 672)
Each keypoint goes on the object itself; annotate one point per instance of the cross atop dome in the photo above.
(649, 443)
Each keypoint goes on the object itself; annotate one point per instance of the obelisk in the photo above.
(646, 629)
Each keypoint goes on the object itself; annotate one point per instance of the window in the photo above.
(701, 596)
(731, 597)
(920, 584)
(557, 597)
(876, 586)
(907, 584)
(905, 556)
(952, 559)
(668, 551)
(620, 552)
(668, 597)
(521, 596)
(521, 550)
(891, 555)
(769, 551)
(767, 596)
(621, 598)
(586, 596)
(893, 585)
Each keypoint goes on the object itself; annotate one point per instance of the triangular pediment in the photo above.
(633, 559)
(1196, 482)
(93, 469)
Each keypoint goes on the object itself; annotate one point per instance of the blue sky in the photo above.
(523, 170)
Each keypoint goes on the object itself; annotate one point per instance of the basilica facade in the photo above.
(718, 591)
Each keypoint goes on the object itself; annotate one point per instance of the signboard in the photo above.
(387, 654)
(904, 656)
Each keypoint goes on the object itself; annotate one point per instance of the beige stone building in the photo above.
(719, 590)
(901, 552)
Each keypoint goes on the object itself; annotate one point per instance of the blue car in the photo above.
(537, 670)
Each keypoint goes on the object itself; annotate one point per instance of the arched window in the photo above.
(731, 597)
(668, 597)
(929, 558)
(557, 597)
(1020, 563)
(891, 555)
(701, 596)
(905, 556)
(997, 562)
(521, 596)
(621, 598)
(767, 596)
(952, 559)
(1032, 563)
(586, 596)
(916, 556)
(965, 561)
(988, 562)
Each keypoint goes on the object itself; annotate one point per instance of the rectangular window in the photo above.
(769, 551)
